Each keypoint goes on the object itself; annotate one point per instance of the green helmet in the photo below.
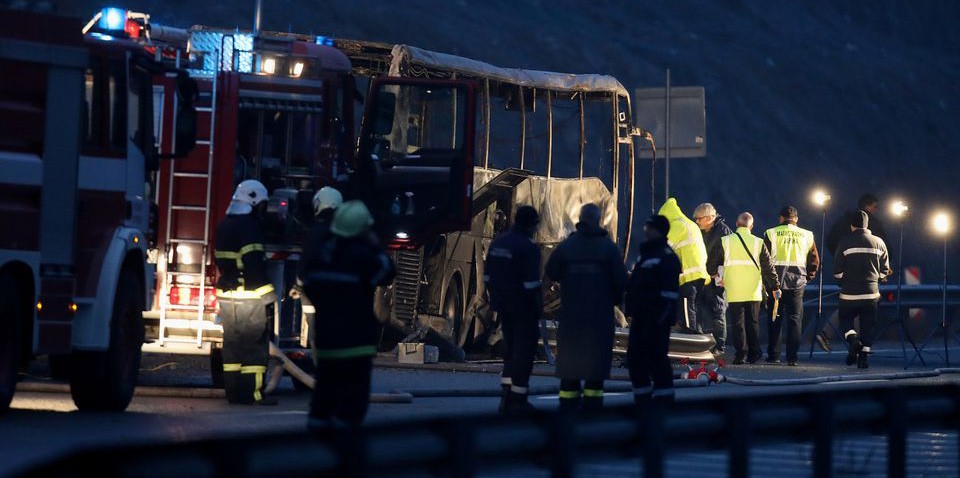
(351, 219)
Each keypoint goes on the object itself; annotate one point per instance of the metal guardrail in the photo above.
(925, 296)
(464, 446)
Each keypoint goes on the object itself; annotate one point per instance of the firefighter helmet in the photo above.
(249, 193)
(351, 219)
(326, 198)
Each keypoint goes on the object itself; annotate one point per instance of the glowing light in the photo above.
(402, 235)
(73, 307)
(39, 306)
(898, 208)
(112, 19)
(297, 68)
(269, 66)
(941, 222)
(820, 197)
(136, 239)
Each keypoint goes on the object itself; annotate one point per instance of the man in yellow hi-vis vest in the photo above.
(747, 268)
(796, 260)
(687, 243)
(245, 295)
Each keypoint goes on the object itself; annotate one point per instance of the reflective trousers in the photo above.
(247, 325)
(520, 335)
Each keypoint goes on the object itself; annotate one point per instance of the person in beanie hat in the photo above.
(860, 263)
(650, 305)
(512, 275)
(589, 268)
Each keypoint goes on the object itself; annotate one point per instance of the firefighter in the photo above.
(710, 301)
(245, 295)
(325, 204)
(651, 302)
(512, 275)
(796, 260)
(341, 273)
(860, 263)
(589, 268)
(747, 270)
(687, 242)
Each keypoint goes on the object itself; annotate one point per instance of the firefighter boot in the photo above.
(569, 400)
(862, 357)
(517, 404)
(592, 399)
(504, 397)
(853, 342)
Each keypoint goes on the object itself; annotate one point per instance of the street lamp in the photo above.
(898, 209)
(942, 225)
(820, 198)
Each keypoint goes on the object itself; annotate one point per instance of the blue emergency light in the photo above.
(322, 40)
(113, 19)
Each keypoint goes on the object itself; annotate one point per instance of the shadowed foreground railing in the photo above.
(466, 446)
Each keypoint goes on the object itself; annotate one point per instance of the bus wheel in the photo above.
(11, 315)
(104, 381)
(453, 311)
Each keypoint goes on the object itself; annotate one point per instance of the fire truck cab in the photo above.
(76, 155)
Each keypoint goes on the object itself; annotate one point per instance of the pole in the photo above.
(899, 287)
(256, 17)
(943, 304)
(819, 319)
(666, 181)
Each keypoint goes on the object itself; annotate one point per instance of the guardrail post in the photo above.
(738, 422)
(823, 428)
(896, 433)
(563, 445)
(462, 438)
(650, 421)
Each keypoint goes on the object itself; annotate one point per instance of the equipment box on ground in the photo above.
(417, 353)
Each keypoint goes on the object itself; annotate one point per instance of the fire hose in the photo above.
(843, 378)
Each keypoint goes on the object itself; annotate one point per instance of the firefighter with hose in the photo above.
(245, 294)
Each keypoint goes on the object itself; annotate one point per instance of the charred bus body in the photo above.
(552, 140)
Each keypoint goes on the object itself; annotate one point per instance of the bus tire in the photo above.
(453, 311)
(105, 381)
(216, 365)
(11, 318)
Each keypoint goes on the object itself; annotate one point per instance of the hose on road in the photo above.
(842, 378)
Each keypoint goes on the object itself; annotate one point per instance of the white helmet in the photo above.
(248, 194)
(326, 198)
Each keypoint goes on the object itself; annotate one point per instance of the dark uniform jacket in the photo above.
(592, 277)
(240, 259)
(512, 274)
(340, 276)
(712, 242)
(653, 289)
(860, 263)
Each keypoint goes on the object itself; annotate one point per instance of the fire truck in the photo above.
(77, 150)
(286, 109)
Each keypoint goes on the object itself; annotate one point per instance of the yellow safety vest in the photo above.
(741, 277)
(789, 246)
(686, 240)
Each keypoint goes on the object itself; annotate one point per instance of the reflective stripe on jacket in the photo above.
(793, 250)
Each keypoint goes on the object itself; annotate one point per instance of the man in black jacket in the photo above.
(245, 295)
(712, 306)
(340, 276)
(651, 302)
(589, 268)
(860, 263)
(512, 275)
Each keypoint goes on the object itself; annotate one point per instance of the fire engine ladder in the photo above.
(172, 242)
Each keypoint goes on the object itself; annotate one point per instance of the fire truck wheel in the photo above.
(104, 381)
(11, 315)
(216, 365)
(453, 311)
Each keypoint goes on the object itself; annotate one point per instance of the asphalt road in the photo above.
(42, 426)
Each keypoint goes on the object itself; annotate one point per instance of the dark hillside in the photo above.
(851, 95)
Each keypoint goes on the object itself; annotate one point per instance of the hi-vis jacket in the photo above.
(794, 254)
(240, 259)
(743, 279)
(687, 242)
(861, 262)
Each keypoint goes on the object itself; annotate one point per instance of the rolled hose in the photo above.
(842, 378)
